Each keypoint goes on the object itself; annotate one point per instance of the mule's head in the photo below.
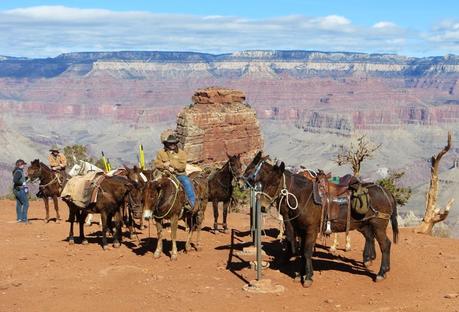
(151, 196)
(253, 169)
(34, 170)
(235, 164)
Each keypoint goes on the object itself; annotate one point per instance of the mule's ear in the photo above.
(281, 167)
(257, 157)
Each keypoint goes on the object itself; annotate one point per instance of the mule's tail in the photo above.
(394, 222)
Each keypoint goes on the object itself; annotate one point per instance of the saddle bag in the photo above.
(360, 200)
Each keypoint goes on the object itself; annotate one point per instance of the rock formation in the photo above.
(217, 124)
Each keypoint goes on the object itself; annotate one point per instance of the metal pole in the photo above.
(253, 201)
(258, 230)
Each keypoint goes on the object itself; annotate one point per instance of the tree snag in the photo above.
(433, 214)
(355, 155)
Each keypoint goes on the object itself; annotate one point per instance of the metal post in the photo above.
(258, 230)
(253, 201)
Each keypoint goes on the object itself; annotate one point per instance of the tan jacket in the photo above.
(57, 161)
(176, 160)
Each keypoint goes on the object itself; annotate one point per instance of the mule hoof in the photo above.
(348, 249)
(380, 278)
(307, 283)
(187, 248)
(84, 242)
(116, 245)
(106, 247)
(173, 257)
(71, 242)
(46, 220)
(368, 264)
(157, 255)
(198, 248)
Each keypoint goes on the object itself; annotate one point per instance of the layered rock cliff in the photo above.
(218, 123)
(377, 90)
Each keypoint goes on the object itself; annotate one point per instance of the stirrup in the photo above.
(328, 230)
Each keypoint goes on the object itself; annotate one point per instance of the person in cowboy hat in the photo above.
(56, 160)
(20, 191)
(173, 159)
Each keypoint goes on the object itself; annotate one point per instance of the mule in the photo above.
(50, 186)
(292, 194)
(220, 186)
(164, 198)
(112, 195)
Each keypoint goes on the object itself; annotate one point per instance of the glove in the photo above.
(166, 164)
(171, 169)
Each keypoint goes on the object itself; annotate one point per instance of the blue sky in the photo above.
(47, 28)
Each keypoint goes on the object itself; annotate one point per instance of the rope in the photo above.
(173, 202)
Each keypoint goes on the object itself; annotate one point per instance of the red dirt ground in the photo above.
(40, 271)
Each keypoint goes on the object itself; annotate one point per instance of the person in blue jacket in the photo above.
(20, 191)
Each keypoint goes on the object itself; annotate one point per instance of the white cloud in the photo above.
(50, 30)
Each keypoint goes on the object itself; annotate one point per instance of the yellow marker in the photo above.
(106, 163)
(141, 157)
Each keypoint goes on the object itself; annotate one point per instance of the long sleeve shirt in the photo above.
(175, 160)
(57, 161)
(19, 178)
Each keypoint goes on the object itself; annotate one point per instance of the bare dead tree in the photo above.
(433, 214)
(356, 154)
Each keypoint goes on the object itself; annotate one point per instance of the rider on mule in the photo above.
(172, 159)
(57, 161)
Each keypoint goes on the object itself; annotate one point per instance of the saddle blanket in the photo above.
(79, 189)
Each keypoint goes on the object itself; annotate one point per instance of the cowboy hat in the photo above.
(54, 148)
(171, 139)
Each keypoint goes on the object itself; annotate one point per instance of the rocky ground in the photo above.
(39, 271)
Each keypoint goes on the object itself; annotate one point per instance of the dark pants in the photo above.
(22, 205)
(188, 186)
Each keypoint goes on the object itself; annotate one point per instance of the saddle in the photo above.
(83, 190)
(338, 196)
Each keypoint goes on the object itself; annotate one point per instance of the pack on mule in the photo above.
(50, 185)
(221, 184)
(303, 218)
(164, 198)
(82, 190)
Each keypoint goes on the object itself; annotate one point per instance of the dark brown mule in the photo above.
(293, 193)
(49, 186)
(113, 194)
(139, 177)
(221, 187)
(164, 198)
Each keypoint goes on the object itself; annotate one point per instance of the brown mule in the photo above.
(164, 198)
(113, 194)
(50, 185)
(284, 189)
(221, 187)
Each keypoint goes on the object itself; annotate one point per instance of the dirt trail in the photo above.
(40, 271)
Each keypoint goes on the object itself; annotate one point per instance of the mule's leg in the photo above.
(199, 221)
(348, 243)
(45, 200)
(81, 217)
(308, 248)
(384, 245)
(159, 245)
(215, 207)
(190, 227)
(334, 246)
(56, 207)
(225, 215)
(291, 241)
(174, 226)
(369, 253)
(104, 220)
(71, 220)
(89, 219)
(118, 229)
